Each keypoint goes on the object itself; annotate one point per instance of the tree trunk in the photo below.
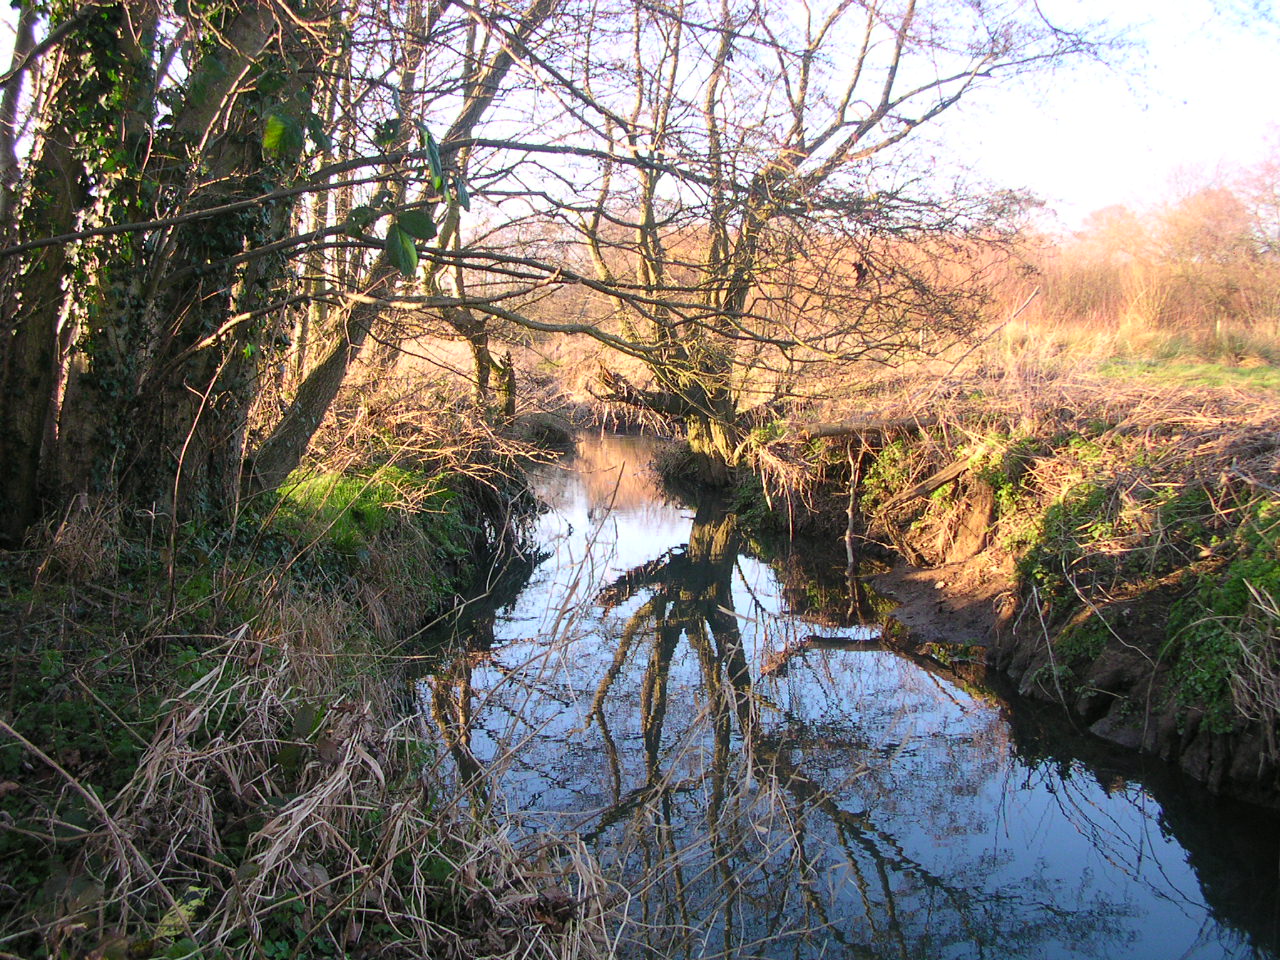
(283, 450)
(92, 68)
(713, 443)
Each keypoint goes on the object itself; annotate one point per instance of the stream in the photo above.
(719, 723)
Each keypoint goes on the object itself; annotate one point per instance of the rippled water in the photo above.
(775, 783)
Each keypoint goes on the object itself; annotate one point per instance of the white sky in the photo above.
(1199, 92)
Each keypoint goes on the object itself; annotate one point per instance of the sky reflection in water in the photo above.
(773, 793)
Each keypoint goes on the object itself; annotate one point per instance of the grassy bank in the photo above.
(208, 747)
(1134, 530)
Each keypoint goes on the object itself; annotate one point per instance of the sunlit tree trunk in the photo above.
(284, 448)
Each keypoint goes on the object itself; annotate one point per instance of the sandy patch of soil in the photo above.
(965, 602)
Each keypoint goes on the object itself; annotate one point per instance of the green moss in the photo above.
(348, 510)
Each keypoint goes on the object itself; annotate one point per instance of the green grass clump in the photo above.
(347, 511)
(1206, 627)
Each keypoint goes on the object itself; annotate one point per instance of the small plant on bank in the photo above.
(1223, 640)
(888, 474)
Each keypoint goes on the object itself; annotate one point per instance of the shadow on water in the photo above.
(721, 722)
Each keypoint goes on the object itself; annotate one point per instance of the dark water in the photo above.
(714, 719)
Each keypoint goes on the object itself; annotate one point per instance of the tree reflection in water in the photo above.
(768, 797)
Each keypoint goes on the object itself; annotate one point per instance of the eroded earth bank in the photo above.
(1114, 549)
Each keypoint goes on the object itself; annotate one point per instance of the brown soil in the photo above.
(964, 602)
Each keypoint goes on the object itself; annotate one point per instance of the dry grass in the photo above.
(83, 546)
(1255, 684)
(287, 806)
(284, 802)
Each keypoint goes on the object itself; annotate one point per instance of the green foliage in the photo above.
(749, 502)
(460, 191)
(433, 161)
(347, 511)
(1004, 468)
(1106, 534)
(401, 250)
(768, 432)
(889, 472)
(1206, 627)
(282, 135)
(1066, 531)
(1083, 641)
(386, 132)
(417, 224)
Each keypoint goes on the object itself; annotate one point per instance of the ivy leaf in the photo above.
(358, 219)
(181, 914)
(274, 134)
(315, 127)
(416, 223)
(386, 132)
(460, 191)
(282, 135)
(401, 251)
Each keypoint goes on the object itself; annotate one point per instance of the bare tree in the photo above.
(734, 171)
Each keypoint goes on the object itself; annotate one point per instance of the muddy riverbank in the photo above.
(1117, 553)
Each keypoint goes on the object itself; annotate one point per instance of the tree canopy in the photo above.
(206, 204)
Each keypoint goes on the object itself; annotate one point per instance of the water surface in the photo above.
(717, 721)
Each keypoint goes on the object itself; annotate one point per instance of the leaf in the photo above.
(315, 127)
(330, 750)
(434, 162)
(282, 136)
(361, 216)
(358, 219)
(460, 191)
(386, 132)
(273, 135)
(401, 251)
(182, 912)
(418, 224)
(248, 871)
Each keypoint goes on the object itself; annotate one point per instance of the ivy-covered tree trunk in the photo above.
(158, 401)
(89, 129)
